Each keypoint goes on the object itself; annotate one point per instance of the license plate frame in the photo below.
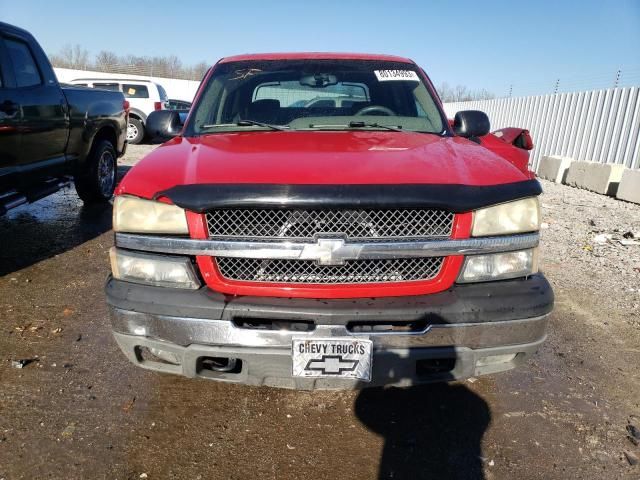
(337, 357)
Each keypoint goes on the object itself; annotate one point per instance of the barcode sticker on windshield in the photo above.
(387, 75)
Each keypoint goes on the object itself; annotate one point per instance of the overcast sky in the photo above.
(488, 45)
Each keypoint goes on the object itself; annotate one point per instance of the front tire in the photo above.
(135, 131)
(97, 181)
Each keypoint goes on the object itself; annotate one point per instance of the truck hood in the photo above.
(318, 158)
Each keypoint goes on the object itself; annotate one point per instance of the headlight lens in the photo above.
(512, 217)
(499, 266)
(137, 215)
(162, 271)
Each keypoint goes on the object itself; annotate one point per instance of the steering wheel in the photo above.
(376, 108)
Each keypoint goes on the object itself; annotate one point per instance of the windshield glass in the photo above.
(315, 94)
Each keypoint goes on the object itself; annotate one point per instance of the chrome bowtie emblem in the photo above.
(328, 251)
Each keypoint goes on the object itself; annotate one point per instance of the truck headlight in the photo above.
(519, 216)
(499, 266)
(158, 270)
(137, 215)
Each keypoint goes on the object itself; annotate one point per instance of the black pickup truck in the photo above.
(52, 135)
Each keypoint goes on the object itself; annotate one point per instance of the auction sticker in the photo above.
(388, 75)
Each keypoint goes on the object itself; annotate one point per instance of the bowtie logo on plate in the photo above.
(331, 364)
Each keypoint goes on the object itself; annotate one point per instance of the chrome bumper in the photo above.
(266, 354)
(187, 331)
(464, 325)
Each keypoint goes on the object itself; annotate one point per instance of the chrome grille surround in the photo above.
(307, 225)
(310, 272)
(391, 261)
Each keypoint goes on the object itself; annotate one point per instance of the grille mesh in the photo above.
(307, 271)
(302, 225)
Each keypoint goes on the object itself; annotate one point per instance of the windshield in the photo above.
(315, 94)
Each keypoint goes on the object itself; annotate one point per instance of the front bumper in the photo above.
(442, 336)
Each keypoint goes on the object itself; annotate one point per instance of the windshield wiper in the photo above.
(246, 123)
(355, 124)
(360, 124)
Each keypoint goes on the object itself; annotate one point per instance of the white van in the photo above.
(144, 97)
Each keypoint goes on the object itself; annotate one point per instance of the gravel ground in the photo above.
(595, 240)
(80, 410)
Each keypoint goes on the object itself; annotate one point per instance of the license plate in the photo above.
(332, 357)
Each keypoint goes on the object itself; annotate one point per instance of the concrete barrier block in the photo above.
(597, 177)
(576, 174)
(554, 168)
(629, 188)
(603, 178)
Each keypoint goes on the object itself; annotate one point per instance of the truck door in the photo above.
(10, 117)
(45, 122)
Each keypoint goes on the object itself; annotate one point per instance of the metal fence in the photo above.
(598, 125)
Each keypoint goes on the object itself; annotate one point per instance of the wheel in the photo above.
(135, 131)
(97, 181)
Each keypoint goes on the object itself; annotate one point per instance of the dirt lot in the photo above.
(80, 410)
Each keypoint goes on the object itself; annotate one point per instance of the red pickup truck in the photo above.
(316, 222)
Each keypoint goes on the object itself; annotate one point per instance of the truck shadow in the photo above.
(431, 431)
(47, 228)
(51, 226)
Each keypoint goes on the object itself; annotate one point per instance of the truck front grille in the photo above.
(305, 225)
(309, 272)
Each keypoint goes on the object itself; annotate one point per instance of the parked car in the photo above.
(50, 135)
(178, 104)
(335, 246)
(144, 97)
(323, 102)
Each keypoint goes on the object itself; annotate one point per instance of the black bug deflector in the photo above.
(453, 198)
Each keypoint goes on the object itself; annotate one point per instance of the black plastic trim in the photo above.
(471, 303)
(453, 198)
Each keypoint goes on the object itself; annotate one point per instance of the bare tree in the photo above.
(105, 61)
(483, 94)
(445, 92)
(198, 70)
(71, 56)
(461, 93)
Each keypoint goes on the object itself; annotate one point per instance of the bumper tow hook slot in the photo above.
(219, 364)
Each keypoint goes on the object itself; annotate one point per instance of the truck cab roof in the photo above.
(315, 56)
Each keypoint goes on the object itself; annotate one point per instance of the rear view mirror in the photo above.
(319, 80)
(164, 123)
(471, 123)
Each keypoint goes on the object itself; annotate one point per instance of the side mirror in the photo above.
(164, 123)
(471, 123)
